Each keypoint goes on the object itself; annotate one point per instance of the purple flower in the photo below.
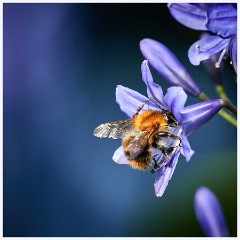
(189, 118)
(166, 63)
(220, 20)
(209, 213)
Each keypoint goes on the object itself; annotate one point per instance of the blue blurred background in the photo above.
(62, 63)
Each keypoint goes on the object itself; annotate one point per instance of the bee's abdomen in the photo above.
(138, 159)
(139, 165)
(142, 161)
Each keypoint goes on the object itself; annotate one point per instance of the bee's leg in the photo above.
(139, 108)
(166, 150)
(155, 167)
(168, 134)
(153, 170)
(155, 163)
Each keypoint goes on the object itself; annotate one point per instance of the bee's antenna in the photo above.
(163, 110)
(156, 103)
(140, 108)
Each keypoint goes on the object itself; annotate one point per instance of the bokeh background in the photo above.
(62, 63)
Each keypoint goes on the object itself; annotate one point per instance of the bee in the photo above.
(140, 134)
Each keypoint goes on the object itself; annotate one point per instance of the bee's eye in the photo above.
(166, 117)
(171, 120)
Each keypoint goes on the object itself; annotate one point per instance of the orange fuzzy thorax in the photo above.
(149, 120)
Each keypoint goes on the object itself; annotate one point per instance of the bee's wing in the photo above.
(112, 129)
(138, 144)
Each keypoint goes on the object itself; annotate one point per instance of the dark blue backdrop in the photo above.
(62, 63)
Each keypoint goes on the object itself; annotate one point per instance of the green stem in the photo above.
(228, 117)
(228, 104)
(221, 92)
(203, 97)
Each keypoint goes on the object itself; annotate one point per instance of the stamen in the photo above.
(197, 47)
(217, 64)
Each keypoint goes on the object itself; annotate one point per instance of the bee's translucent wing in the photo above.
(138, 144)
(112, 129)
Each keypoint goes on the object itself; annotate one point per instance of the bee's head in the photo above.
(171, 120)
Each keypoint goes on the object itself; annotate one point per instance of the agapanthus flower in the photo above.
(220, 20)
(167, 64)
(209, 213)
(189, 118)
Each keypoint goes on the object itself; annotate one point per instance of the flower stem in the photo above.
(228, 104)
(228, 117)
(221, 92)
(203, 97)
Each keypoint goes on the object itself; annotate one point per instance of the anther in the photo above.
(197, 47)
(217, 64)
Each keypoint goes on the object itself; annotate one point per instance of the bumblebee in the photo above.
(140, 134)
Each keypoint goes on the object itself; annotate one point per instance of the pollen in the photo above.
(217, 65)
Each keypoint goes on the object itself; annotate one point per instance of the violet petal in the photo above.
(222, 20)
(166, 63)
(119, 156)
(195, 115)
(186, 148)
(209, 213)
(205, 47)
(175, 98)
(163, 175)
(233, 51)
(129, 100)
(189, 15)
(154, 91)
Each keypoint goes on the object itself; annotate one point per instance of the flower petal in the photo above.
(119, 156)
(129, 100)
(233, 52)
(154, 91)
(175, 98)
(209, 213)
(222, 19)
(195, 115)
(165, 62)
(203, 6)
(186, 148)
(164, 174)
(205, 47)
(189, 15)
